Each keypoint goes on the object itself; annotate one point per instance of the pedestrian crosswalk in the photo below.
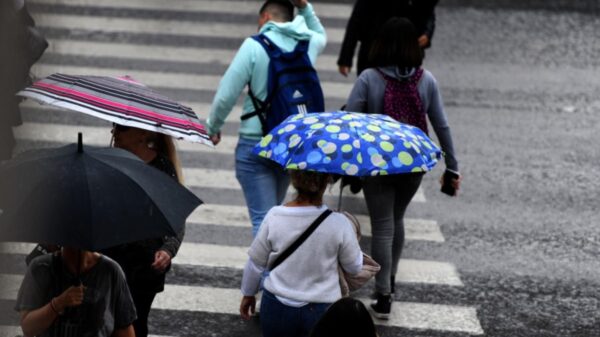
(218, 233)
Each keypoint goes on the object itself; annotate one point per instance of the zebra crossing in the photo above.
(137, 38)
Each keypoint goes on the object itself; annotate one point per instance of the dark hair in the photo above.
(310, 185)
(346, 317)
(397, 44)
(282, 9)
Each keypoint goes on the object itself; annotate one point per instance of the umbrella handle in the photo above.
(339, 206)
(79, 142)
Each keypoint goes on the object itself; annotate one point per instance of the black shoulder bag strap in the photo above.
(292, 248)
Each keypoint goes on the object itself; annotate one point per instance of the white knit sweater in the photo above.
(310, 273)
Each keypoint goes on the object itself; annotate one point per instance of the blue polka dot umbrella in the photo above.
(348, 143)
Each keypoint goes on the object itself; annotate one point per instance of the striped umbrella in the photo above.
(120, 100)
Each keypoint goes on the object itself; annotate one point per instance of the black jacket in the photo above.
(369, 15)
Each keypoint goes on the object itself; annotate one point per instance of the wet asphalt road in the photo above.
(524, 230)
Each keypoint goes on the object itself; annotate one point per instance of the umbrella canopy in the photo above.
(120, 100)
(352, 144)
(88, 198)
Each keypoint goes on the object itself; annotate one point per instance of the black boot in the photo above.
(393, 285)
(382, 307)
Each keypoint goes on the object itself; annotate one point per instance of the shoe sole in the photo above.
(379, 315)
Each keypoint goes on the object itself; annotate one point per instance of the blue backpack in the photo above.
(293, 85)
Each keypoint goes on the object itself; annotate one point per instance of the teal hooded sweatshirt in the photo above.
(251, 65)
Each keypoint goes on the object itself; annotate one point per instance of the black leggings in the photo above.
(387, 198)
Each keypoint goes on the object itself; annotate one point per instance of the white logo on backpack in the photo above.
(297, 94)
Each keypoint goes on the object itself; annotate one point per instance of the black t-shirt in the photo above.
(107, 303)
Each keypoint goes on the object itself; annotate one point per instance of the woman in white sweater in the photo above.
(298, 292)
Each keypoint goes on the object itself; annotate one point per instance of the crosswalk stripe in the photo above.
(10, 331)
(10, 286)
(237, 216)
(100, 136)
(404, 314)
(173, 81)
(233, 7)
(154, 26)
(159, 53)
(226, 301)
(409, 271)
(438, 317)
(211, 255)
(225, 179)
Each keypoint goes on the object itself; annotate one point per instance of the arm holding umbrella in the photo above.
(35, 322)
(43, 276)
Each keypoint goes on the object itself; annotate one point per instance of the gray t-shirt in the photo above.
(107, 303)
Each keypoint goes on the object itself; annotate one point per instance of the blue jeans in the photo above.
(280, 320)
(263, 181)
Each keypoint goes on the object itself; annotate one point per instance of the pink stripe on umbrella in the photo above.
(120, 106)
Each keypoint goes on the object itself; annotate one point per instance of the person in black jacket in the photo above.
(146, 262)
(367, 18)
(21, 46)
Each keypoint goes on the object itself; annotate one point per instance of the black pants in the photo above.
(143, 301)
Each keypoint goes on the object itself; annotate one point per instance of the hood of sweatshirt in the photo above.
(296, 29)
(400, 74)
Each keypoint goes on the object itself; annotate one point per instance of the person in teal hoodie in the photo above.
(263, 182)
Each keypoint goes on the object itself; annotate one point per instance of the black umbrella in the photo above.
(88, 198)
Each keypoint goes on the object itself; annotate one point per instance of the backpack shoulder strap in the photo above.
(302, 46)
(292, 248)
(270, 47)
(272, 51)
(417, 76)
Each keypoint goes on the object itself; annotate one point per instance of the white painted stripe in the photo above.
(155, 26)
(233, 7)
(226, 301)
(237, 216)
(428, 272)
(404, 314)
(438, 317)
(225, 179)
(100, 136)
(10, 286)
(409, 271)
(170, 80)
(21, 248)
(160, 53)
(10, 331)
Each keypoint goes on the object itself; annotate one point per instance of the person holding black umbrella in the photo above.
(75, 292)
(146, 262)
(86, 199)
